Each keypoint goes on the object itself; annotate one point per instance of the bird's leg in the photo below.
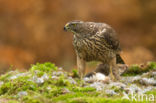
(81, 66)
(111, 73)
(114, 72)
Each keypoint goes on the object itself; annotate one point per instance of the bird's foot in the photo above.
(114, 77)
(81, 75)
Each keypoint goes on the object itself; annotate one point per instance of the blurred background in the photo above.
(32, 30)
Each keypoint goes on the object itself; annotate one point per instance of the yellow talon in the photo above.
(111, 74)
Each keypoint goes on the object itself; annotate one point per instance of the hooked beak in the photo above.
(66, 27)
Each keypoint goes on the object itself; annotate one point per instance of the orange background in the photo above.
(32, 30)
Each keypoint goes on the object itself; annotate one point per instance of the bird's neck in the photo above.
(77, 36)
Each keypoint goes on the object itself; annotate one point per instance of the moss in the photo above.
(118, 90)
(13, 101)
(62, 82)
(139, 69)
(40, 73)
(6, 76)
(152, 92)
(87, 99)
(132, 70)
(46, 67)
(31, 99)
(75, 73)
(98, 100)
(14, 86)
(52, 90)
(70, 96)
(83, 89)
(152, 65)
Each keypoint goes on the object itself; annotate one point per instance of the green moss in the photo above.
(46, 67)
(152, 92)
(132, 70)
(62, 81)
(83, 89)
(13, 101)
(75, 73)
(6, 76)
(98, 100)
(52, 90)
(139, 69)
(31, 100)
(16, 85)
(70, 96)
(117, 89)
(40, 73)
(89, 99)
(152, 65)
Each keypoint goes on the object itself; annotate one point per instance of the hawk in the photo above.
(95, 42)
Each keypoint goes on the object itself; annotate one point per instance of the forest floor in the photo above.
(46, 83)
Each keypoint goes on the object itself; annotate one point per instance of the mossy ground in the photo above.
(136, 69)
(55, 90)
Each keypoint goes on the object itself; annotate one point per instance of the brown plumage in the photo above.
(95, 41)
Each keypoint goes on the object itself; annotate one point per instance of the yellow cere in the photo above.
(66, 24)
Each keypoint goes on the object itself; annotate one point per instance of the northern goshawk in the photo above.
(95, 42)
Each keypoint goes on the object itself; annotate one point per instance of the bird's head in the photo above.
(74, 26)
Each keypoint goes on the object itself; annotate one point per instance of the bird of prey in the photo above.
(95, 42)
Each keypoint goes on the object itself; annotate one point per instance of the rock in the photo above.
(71, 80)
(148, 81)
(130, 79)
(110, 92)
(117, 84)
(57, 73)
(18, 75)
(65, 90)
(1, 83)
(40, 80)
(13, 77)
(147, 89)
(136, 78)
(48, 88)
(55, 77)
(145, 74)
(60, 68)
(153, 73)
(88, 80)
(126, 79)
(45, 76)
(98, 86)
(22, 93)
(134, 89)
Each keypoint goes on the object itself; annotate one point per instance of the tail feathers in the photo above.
(119, 60)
